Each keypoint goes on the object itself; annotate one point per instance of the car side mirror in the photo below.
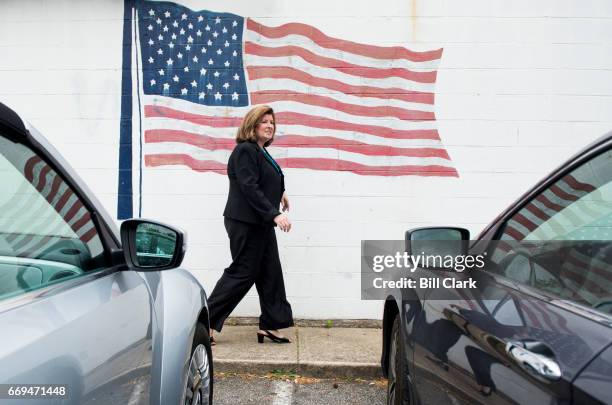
(433, 241)
(151, 246)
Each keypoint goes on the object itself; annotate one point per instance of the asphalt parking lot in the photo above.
(232, 389)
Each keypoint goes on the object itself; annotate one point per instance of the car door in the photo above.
(67, 314)
(542, 309)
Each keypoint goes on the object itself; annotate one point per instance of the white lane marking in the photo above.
(136, 396)
(284, 393)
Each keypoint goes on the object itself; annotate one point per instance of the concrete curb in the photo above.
(307, 369)
(312, 323)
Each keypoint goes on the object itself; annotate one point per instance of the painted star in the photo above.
(175, 78)
(217, 96)
(169, 61)
(173, 35)
(195, 59)
(153, 82)
(203, 50)
(188, 47)
(161, 72)
(224, 30)
(225, 85)
(201, 95)
(184, 16)
(186, 68)
(209, 43)
(190, 39)
(151, 42)
(234, 23)
(215, 34)
(226, 64)
(217, 20)
(171, 45)
(158, 21)
(219, 51)
(209, 86)
(182, 32)
(160, 52)
(236, 77)
(183, 91)
(175, 24)
(194, 84)
(190, 26)
(226, 44)
(160, 37)
(199, 33)
(234, 37)
(165, 28)
(167, 14)
(151, 12)
(234, 96)
(166, 86)
(200, 18)
(210, 61)
(150, 27)
(202, 71)
(207, 28)
(217, 74)
(179, 55)
(234, 53)
(151, 60)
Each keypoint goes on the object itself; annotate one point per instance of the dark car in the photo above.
(538, 329)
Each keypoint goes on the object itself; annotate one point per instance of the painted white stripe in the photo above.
(230, 133)
(294, 152)
(284, 86)
(327, 73)
(283, 392)
(308, 44)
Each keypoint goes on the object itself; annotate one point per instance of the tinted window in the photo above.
(570, 224)
(46, 233)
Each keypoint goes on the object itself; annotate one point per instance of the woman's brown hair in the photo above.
(246, 132)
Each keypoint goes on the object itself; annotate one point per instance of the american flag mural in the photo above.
(340, 105)
(43, 210)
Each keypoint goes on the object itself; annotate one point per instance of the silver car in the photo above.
(90, 314)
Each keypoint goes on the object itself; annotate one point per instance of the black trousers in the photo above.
(255, 260)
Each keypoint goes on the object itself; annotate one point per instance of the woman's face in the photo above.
(265, 128)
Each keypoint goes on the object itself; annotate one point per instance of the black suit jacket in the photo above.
(256, 186)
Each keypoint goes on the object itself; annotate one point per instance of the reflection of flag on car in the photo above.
(341, 105)
(32, 228)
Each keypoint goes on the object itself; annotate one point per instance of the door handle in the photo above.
(538, 365)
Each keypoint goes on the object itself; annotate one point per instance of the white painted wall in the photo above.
(521, 86)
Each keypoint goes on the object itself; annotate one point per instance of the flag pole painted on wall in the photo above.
(125, 191)
(129, 201)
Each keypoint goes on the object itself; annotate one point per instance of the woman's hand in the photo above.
(283, 222)
(285, 202)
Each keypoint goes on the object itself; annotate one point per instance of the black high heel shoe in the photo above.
(272, 337)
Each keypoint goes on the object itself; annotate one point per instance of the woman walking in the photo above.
(257, 189)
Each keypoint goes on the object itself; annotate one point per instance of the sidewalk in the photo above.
(314, 352)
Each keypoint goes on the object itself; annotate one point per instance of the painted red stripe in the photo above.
(27, 239)
(549, 204)
(54, 188)
(185, 160)
(63, 199)
(531, 207)
(308, 163)
(73, 211)
(318, 37)
(153, 111)
(514, 233)
(28, 169)
(393, 93)
(577, 185)
(339, 65)
(212, 143)
(521, 219)
(40, 244)
(555, 189)
(270, 96)
(42, 177)
(85, 219)
(292, 118)
(89, 235)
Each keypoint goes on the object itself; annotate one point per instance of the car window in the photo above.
(46, 233)
(561, 241)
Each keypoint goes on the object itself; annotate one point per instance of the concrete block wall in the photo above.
(521, 86)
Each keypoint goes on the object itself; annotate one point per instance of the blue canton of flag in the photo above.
(194, 56)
